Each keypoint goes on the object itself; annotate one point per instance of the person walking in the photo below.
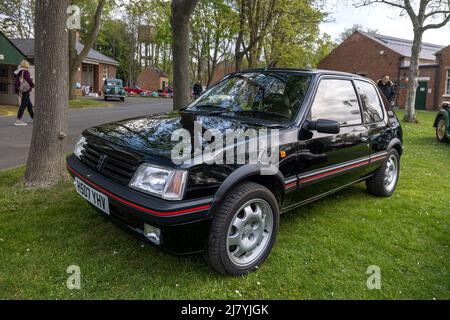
(386, 86)
(24, 85)
(198, 89)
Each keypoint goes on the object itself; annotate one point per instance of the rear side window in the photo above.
(336, 100)
(372, 107)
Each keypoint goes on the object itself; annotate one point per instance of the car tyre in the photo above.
(243, 230)
(122, 99)
(106, 99)
(384, 182)
(441, 129)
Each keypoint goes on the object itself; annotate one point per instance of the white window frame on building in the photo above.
(447, 84)
(87, 76)
(105, 73)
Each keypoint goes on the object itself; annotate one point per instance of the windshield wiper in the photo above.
(209, 108)
(267, 113)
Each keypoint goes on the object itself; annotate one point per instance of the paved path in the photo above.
(15, 141)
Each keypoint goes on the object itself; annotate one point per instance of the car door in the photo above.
(327, 162)
(376, 120)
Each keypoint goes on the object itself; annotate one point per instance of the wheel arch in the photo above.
(275, 183)
(397, 145)
(445, 115)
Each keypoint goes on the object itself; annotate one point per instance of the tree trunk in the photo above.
(200, 68)
(181, 14)
(239, 52)
(239, 60)
(46, 160)
(72, 68)
(253, 58)
(410, 108)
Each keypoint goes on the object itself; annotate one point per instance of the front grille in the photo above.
(112, 163)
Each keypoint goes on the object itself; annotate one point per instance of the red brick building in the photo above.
(153, 79)
(374, 56)
(95, 69)
(222, 69)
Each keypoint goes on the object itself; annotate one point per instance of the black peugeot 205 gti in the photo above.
(335, 130)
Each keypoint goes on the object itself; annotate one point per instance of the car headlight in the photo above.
(79, 146)
(166, 183)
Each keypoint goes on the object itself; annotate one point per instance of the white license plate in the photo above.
(98, 199)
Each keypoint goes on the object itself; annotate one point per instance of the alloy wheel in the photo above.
(250, 232)
(391, 173)
(441, 129)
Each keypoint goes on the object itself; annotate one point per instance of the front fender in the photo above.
(446, 115)
(239, 175)
(397, 144)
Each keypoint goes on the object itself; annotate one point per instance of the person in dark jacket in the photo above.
(24, 86)
(386, 86)
(198, 89)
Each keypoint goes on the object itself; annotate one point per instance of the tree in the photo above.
(75, 58)
(255, 17)
(46, 161)
(350, 31)
(424, 15)
(213, 28)
(181, 14)
(17, 18)
(324, 46)
(293, 38)
(116, 41)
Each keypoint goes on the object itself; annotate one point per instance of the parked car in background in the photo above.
(134, 90)
(113, 89)
(334, 131)
(442, 123)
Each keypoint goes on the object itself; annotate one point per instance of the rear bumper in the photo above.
(184, 225)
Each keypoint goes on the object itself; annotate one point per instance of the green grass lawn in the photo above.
(323, 249)
(9, 110)
(88, 103)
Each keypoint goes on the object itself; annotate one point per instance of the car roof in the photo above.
(307, 71)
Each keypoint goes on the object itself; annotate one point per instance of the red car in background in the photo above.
(134, 90)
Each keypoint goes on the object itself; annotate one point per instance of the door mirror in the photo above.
(324, 126)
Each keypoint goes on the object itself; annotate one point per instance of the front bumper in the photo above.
(184, 225)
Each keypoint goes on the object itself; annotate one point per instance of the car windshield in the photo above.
(114, 83)
(267, 96)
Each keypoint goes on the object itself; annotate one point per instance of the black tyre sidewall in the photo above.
(260, 193)
(392, 152)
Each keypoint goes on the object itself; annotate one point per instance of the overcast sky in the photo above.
(385, 19)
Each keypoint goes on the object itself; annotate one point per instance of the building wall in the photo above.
(364, 56)
(444, 66)
(150, 79)
(427, 74)
(98, 76)
(7, 84)
(222, 69)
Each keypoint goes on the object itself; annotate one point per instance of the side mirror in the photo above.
(324, 126)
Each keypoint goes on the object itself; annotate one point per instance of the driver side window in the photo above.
(336, 100)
